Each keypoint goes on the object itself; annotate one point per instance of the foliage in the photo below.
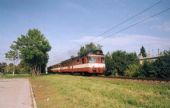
(9, 69)
(160, 68)
(162, 65)
(12, 55)
(147, 70)
(33, 48)
(88, 47)
(132, 70)
(127, 64)
(108, 62)
(143, 52)
(118, 61)
(2, 67)
(23, 68)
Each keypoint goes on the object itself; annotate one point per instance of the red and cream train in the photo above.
(91, 63)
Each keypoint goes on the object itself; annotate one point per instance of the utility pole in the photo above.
(15, 61)
(13, 73)
(158, 52)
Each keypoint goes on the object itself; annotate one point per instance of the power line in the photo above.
(132, 17)
(132, 25)
(129, 18)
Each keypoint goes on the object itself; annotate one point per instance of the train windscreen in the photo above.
(92, 59)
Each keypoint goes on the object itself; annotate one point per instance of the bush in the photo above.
(132, 70)
(147, 70)
(159, 68)
(123, 63)
(162, 66)
(118, 61)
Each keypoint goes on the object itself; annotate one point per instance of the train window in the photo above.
(92, 60)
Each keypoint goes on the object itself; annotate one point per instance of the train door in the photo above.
(83, 60)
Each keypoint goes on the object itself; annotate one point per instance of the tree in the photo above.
(2, 67)
(12, 55)
(33, 48)
(119, 61)
(109, 64)
(147, 70)
(143, 52)
(132, 70)
(88, 47)
(10, 68)
(160, 68)
(23, 68)
(162, 65)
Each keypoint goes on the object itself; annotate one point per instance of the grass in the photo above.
(15, 76)
(66, 91)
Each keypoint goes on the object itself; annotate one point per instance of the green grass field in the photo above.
(66, 91)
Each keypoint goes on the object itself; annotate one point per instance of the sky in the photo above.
(69, 24)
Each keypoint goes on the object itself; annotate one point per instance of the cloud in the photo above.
(131, 42)
(163, 27)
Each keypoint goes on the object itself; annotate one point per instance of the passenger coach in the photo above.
(91, 63)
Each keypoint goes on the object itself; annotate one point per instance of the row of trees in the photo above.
(159, 68)
(121, 63)
(10, 68)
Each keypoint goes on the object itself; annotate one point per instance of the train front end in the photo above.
(96, 62)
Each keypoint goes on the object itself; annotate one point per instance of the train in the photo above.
(92, 63)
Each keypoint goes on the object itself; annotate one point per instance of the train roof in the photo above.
(96, 52)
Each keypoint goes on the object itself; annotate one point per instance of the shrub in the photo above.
(132, 70)
(147, 70)
(162, 66)
(118, 61)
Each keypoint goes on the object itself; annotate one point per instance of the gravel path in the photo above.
(15, 93)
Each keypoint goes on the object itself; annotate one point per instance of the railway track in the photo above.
(137, 79)
(125, 78)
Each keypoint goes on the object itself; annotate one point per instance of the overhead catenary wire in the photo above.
(130, 18)
(127, 19)
(134, 24)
